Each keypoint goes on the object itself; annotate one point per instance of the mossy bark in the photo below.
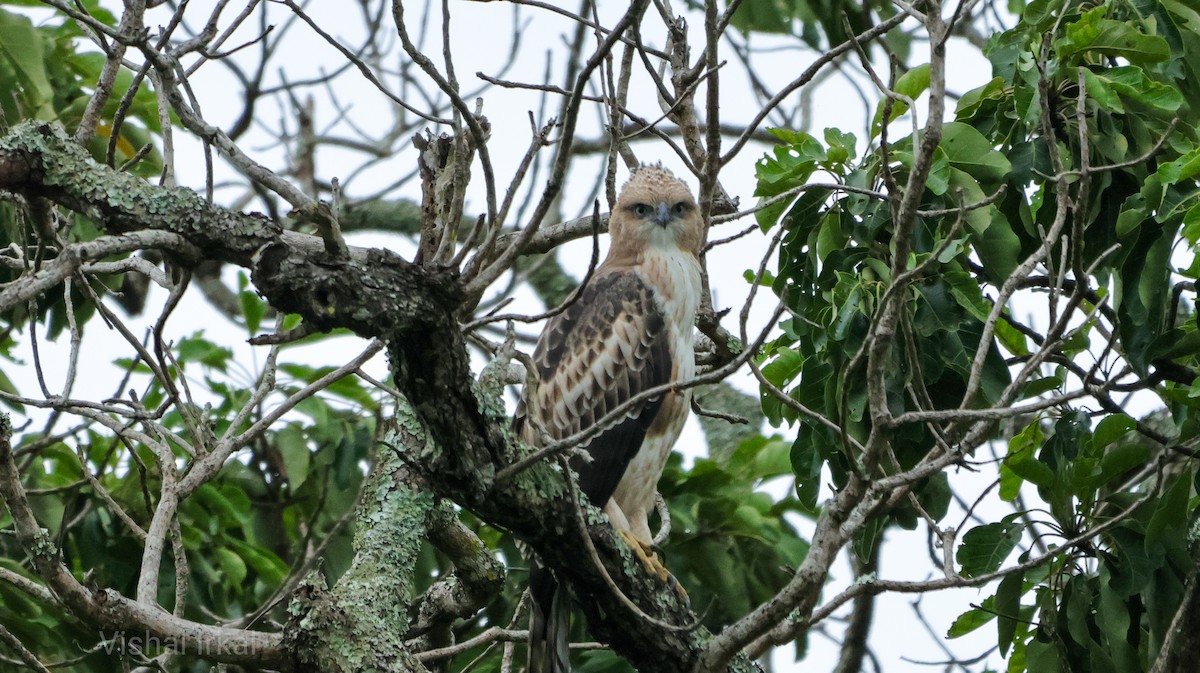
(415, 308)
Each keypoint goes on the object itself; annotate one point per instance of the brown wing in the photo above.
(607, 347)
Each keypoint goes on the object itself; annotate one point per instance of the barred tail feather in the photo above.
(549, 624)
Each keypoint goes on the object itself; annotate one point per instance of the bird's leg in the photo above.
(645, 552)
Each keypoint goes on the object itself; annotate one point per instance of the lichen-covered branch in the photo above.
(415, 310)
(360, 623)
(477, 578)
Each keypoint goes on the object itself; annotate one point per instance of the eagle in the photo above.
(629, 330)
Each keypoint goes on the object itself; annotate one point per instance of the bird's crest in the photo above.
(654, 177)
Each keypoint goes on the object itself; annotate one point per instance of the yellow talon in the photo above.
(649, 560)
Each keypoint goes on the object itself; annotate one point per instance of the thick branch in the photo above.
(360, 624)
(477, 578)
(415, 309)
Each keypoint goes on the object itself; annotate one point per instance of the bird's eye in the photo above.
(680, 208)
(641, 209)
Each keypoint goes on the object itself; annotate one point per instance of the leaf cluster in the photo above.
(1087, 129)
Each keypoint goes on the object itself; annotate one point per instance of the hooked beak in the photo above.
(662, 215)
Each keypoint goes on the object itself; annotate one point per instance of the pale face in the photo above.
(658, 212)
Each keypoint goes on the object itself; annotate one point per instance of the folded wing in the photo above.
(605, 349)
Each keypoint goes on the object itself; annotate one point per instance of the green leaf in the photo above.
(806, 464)
(1136, 89)
(1121, 39)
(1133, 213)
(984, 548)
(935, 495)
(1010, 483)
(968, 150)
(1114, 620)
(6, 385)
(1122, 458)
(293, 448)
(21, 45)
(233, 568)
(1171, 514)
(196, 348)
(1008, 608)
(1101, 93)
(841, 146)
(1191, 224)
(1183, 169)
(847, 312)
(232, 508)
(991, 234)
(968, 294)
(1145, 291)
(787, 167)
(790, 164)
(348, 387)
(972, 619)
(868, 536)
(939, 170)
(939, 173)
(1033, 470)
(784, 365)
(1111, 429)
(772, 460)
(971, 102)
(1042, 656)
(761, 17)
(1020, 463)
(911, 84)
(1041, 13)
(1011, 338)
(830, 236)
(1189, 15)
(253, 310)
(270, 568)
(1071, 431)
(1042, 385)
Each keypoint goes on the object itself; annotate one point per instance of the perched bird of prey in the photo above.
(629, 331)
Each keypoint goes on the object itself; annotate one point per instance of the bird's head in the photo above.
(656, 209)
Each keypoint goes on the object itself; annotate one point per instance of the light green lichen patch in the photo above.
(408, 435)
(362, 625)
(124, 201)
(735, 345)
(43, 544)
(539, 482)
(489, 390)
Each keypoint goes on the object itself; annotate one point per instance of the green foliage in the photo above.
(45, 76)
(49, 79)
(985, 547)
(820, 24)
(990, 198)
(245, 533)
(730, 544)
